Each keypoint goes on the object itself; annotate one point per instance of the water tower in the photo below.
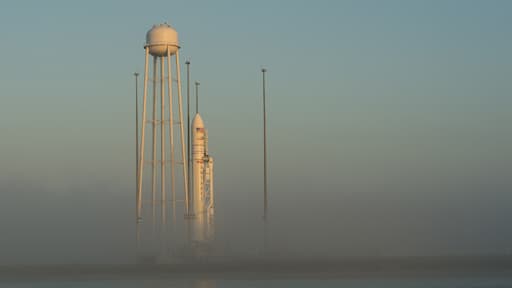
(159, 138)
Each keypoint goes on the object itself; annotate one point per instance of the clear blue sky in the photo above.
(401, 103)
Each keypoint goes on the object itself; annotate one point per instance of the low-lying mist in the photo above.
(96, 224)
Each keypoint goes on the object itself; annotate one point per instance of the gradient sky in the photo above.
(402, 109)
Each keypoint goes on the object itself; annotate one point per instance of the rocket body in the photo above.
(198, 152)
(202, 200)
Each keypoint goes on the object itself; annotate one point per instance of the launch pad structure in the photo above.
(167, 154)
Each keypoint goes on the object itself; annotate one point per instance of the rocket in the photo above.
(202, 205)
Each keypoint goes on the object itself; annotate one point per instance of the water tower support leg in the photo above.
(171, 132)
(162, 138)
(182, 132)
(141, 162)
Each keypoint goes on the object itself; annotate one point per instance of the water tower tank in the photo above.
(160, 38)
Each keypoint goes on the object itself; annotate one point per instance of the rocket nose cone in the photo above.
(197, 122)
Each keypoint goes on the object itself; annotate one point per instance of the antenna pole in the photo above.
(197, 97)
(265, 199)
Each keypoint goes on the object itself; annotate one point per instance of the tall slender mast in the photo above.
(188, 127)
(136, 131)
(137, 233)
(197, 97)
(265, 199)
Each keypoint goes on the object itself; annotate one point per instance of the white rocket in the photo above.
(202, 205)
